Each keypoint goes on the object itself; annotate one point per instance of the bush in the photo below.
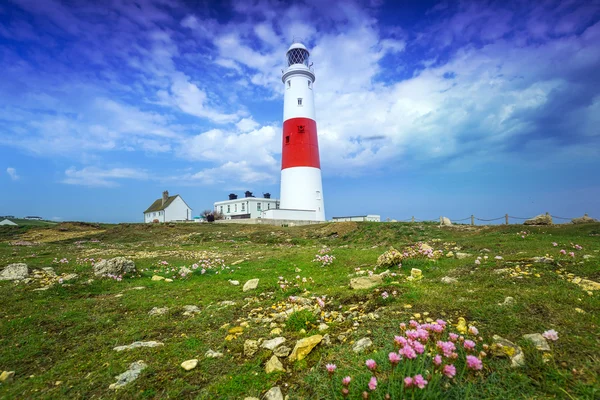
(303, 319)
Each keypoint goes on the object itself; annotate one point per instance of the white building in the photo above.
(7, 222)
(358, 218)
(167, 209)
(246, 207)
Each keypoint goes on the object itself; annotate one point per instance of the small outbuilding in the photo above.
(168, 209)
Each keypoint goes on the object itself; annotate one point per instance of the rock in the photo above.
(7, 376)
(545, 260)
(189, 364)
(14, 272)
(538, 340)
(282, 351)
(415, 274)
(276, 331)
(390, 258)
(362, 345)
(114, 266)
(191, 310)
(542, 219)
(326, 340)
(304, 347)
(135, 345)
(49, 271)
(462, 256)
(449, 280)
(168, 280)
(251, 284)
(158, 278)
(134, 371)
(365, 282)
(461, 326)
(274, 365)
(446, 221)
(323, 327)
(508, 301)
(236, 329)
(274, 394)
(273, 343)
(69, 277)
(213, 354)
(250, 347)
(227, 303)
(237, 262)
(583, 220)
(234, 283)
(449, 254)
(505, 348)
(158, 311)
(587, 284)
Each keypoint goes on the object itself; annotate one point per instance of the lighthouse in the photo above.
(301, 186)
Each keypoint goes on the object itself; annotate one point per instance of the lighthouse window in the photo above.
(300, 101)
(308, 83)
(287, 139)
(289, 83)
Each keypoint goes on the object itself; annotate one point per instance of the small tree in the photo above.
(212, 216)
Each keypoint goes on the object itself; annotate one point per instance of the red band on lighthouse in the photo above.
(300, 144)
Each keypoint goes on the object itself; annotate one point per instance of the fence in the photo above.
(473, 218)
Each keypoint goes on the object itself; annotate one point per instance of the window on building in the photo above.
(235, 208)
(318, 195)
(257, 206)
(289, 83)
(277, 206)
(287, 139)
(243, 207)
(309, 84)
(221, 209)
(300, 102)
(228, 208)
(268, 206)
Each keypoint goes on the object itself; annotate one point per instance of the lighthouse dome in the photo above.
(297, 54)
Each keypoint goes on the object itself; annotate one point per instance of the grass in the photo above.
(59, 341)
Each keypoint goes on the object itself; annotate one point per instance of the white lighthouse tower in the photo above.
(301, 187)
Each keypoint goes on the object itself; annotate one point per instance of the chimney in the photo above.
(232, 196)
(267, 195)
(248, 193)
(165, 197)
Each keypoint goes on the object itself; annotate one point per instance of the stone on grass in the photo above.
(272, 344)
(282, 351)
(135, 345)
(237, 262)
(251, 284)
(189, 364)
(251, 398)
(446, 221)
(390, 258)
(304, 347)
(274, 365)
(538, 340)
(227, 303)
(114, 266)
(362, 345)
(542, 219)
(191, 310)
(583, 220)
(158, 311)
(587, 284)
(276, 331)
(508, 301)
(14, 272)
(7, 376)
(415, 274)
(365, 282)
(213, 354)
(449, 280)
(323, 327)
(250, 347)
(505, 348)
(134, 371)
(158, 278)
(462, 256)
(273, 394)
(234, 283)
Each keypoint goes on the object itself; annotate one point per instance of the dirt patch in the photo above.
(51, 235)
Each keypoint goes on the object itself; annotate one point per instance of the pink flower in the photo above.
(437, 360)
(346, 381)
(403, 326)
(419, 381)
(412, 334)
(413, 323)
(572, 254)
(385, 295)
(441, 322)
(408, 381)
(419, 348)
(554, 244)
(371, 364)
(453, 336)
(320, 302)
(408, 352)
(400, 340)
(394, 358)
(469, 344)
(474, 363)
(550, 335)
(437, 328)
(449, 370)
(473, 330)
(373, 383)
(331, 368)
(563, 252)
(446, 347)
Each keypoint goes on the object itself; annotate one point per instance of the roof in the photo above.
(158, 206)
(297, 45)
(7, 222)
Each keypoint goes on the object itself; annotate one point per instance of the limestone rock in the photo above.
(237, 262)
(587, 284)
(213, 354)
(282, 351)
(538, 340)
(250, 347)
(542, 219)
(227, 303)
(191, 310)
(583, 220)
(449, 280)
(506, 348)
(508, 301)
(273, 343)
(168, 280)
(135, 345)
(158, 278)
(273, 394)
(14, 272)
(365, 282)
(462, 256)
(7, 376)
(304, 347)
(234, 283)
(251, 398)
(362, 345)
(274, 365)
(134, 371)
(323, 327)
(276, 331)
(251, 284)
(156, 311)
(189, 364)
(446, 221)
(390, 258)
(415, 274)
(114, 266)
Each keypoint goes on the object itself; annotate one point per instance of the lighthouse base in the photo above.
(296, 215)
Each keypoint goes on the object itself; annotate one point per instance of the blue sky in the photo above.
(424, 108)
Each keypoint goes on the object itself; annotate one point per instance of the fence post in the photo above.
(472, 220)
(413, 219)
(506, 218)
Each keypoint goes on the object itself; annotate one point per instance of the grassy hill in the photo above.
(60, 340)
(27, 222)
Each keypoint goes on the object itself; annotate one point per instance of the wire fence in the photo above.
(506, 219)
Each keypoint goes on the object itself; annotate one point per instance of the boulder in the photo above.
(158, 278)
(234, 283)
(446, 221)
(587, 284)
(190, 310)
(250, 347)
(7, 376)
(158, 311)
(114, 266)
(273, 343)
(304, 347)
(14, 272)
(538, 340)
(415, 275)
(542, 219)
(189, 364)
(274, 365)
(362, 345)
(508, 301)
(390, 258)
(134, 371)
(506, 348)
(282, 351)
(273, 394)
(583, 220)
(365, 282)
(251, 284)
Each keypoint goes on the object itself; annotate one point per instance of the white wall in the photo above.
(295, 89)
(301, 189)
(151, 216)
(250, 206)
(299, 215)
(177, 211)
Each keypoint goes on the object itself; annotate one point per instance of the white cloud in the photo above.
(12, 173)
(232, 173)
(97, 177)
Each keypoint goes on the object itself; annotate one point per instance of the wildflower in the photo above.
(437, 360)
(572, 254)
(477, 262)
(345, 392)
(408, 381)
(346, 381)
(400, 340)
(449, 370)
(563, 251)
(371, 364)
(403, 326)
(578, 247)
(408, 352)
(419, 348)
(320, 302)
(473, 330)
(331, 368)
(419, 381)
(474, 363)
(469, 345)
(373, 383)
(441, 322)
(453, 336)
(385, 295)
(394, 358)
(550, 335)
(554, 244)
